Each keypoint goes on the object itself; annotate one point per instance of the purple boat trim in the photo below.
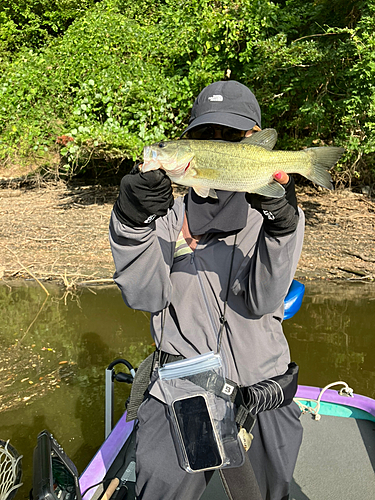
(332, 396)
(110, 448)
(104, 458)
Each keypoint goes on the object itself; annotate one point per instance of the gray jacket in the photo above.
(192, 287)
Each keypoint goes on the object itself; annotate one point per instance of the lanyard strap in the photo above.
(223, 320)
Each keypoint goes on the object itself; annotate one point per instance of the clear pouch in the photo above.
(202, 414)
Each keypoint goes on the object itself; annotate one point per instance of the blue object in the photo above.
(293, 300)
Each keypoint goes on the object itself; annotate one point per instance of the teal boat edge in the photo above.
(343, 403)
(339, 410)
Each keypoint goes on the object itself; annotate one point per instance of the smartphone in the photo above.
(197, 433)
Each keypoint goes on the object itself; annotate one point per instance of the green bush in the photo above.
(100, 85)
(33, 23)
(126, 73)
(317, 80)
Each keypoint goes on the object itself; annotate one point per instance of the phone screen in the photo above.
(197, 433)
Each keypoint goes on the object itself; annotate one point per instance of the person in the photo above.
(188, 261)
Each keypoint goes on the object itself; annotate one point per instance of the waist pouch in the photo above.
(202, 413)
(268, 394)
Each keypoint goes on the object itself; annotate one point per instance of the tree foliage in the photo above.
(33, 23)
(123, 74)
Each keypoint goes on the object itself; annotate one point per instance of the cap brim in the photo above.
(225, 119)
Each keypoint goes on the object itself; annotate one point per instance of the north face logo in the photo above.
(216, 98)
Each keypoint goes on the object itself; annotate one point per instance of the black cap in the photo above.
(227, 103)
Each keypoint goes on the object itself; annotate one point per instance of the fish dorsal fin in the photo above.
(265, 138)
(273, 190)
(203, 192)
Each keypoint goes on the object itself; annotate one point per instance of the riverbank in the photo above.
(60, 232)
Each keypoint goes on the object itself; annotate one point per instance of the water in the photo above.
(72, 339)
(53, 353)
(332, 337)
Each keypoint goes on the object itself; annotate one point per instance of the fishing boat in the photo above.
(336, 459)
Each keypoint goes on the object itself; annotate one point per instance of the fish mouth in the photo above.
(150, 160)
(147, 153)
(152, 154)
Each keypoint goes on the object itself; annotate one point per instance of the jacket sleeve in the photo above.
(143, 257)
(265, 277)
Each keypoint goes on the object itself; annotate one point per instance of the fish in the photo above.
(246, 166)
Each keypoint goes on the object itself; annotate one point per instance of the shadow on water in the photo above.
(53, 377)
(53, 355)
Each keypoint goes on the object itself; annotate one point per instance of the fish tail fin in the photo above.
(322, 160)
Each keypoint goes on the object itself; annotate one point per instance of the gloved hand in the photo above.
(143, 197)
(280, 214)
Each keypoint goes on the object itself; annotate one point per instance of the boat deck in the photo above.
(336, 462)
(340, 464)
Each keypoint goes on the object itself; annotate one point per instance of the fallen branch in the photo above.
(33, 321)
(104, 280)
(45, 239)
(27, 270)
(360, 278)
(360, 256)
(352, 271)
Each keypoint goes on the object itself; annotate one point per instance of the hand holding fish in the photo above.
(280, 215)
(281, 177)
(143, 197)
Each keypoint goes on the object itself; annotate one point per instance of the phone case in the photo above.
(199, 440)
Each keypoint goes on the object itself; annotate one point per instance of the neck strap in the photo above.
(223, 321)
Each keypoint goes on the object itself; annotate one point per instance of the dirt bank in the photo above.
(60, 232)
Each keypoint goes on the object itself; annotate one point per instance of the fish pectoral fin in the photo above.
(265, 138)
(273, 190)
(203, 192)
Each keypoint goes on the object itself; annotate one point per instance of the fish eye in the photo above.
(162, 144)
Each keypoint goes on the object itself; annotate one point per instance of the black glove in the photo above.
(143, 197)
(280, 214)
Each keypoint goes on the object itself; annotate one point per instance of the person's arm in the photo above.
(266, 280)
(142, 256)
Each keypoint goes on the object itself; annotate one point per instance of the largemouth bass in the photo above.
(247, 166)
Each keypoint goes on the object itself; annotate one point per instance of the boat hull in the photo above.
(336, 460)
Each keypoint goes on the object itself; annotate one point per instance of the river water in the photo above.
(54, 351)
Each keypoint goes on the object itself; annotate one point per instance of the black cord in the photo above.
(223, 320)
(93, 486)
(163, 318)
